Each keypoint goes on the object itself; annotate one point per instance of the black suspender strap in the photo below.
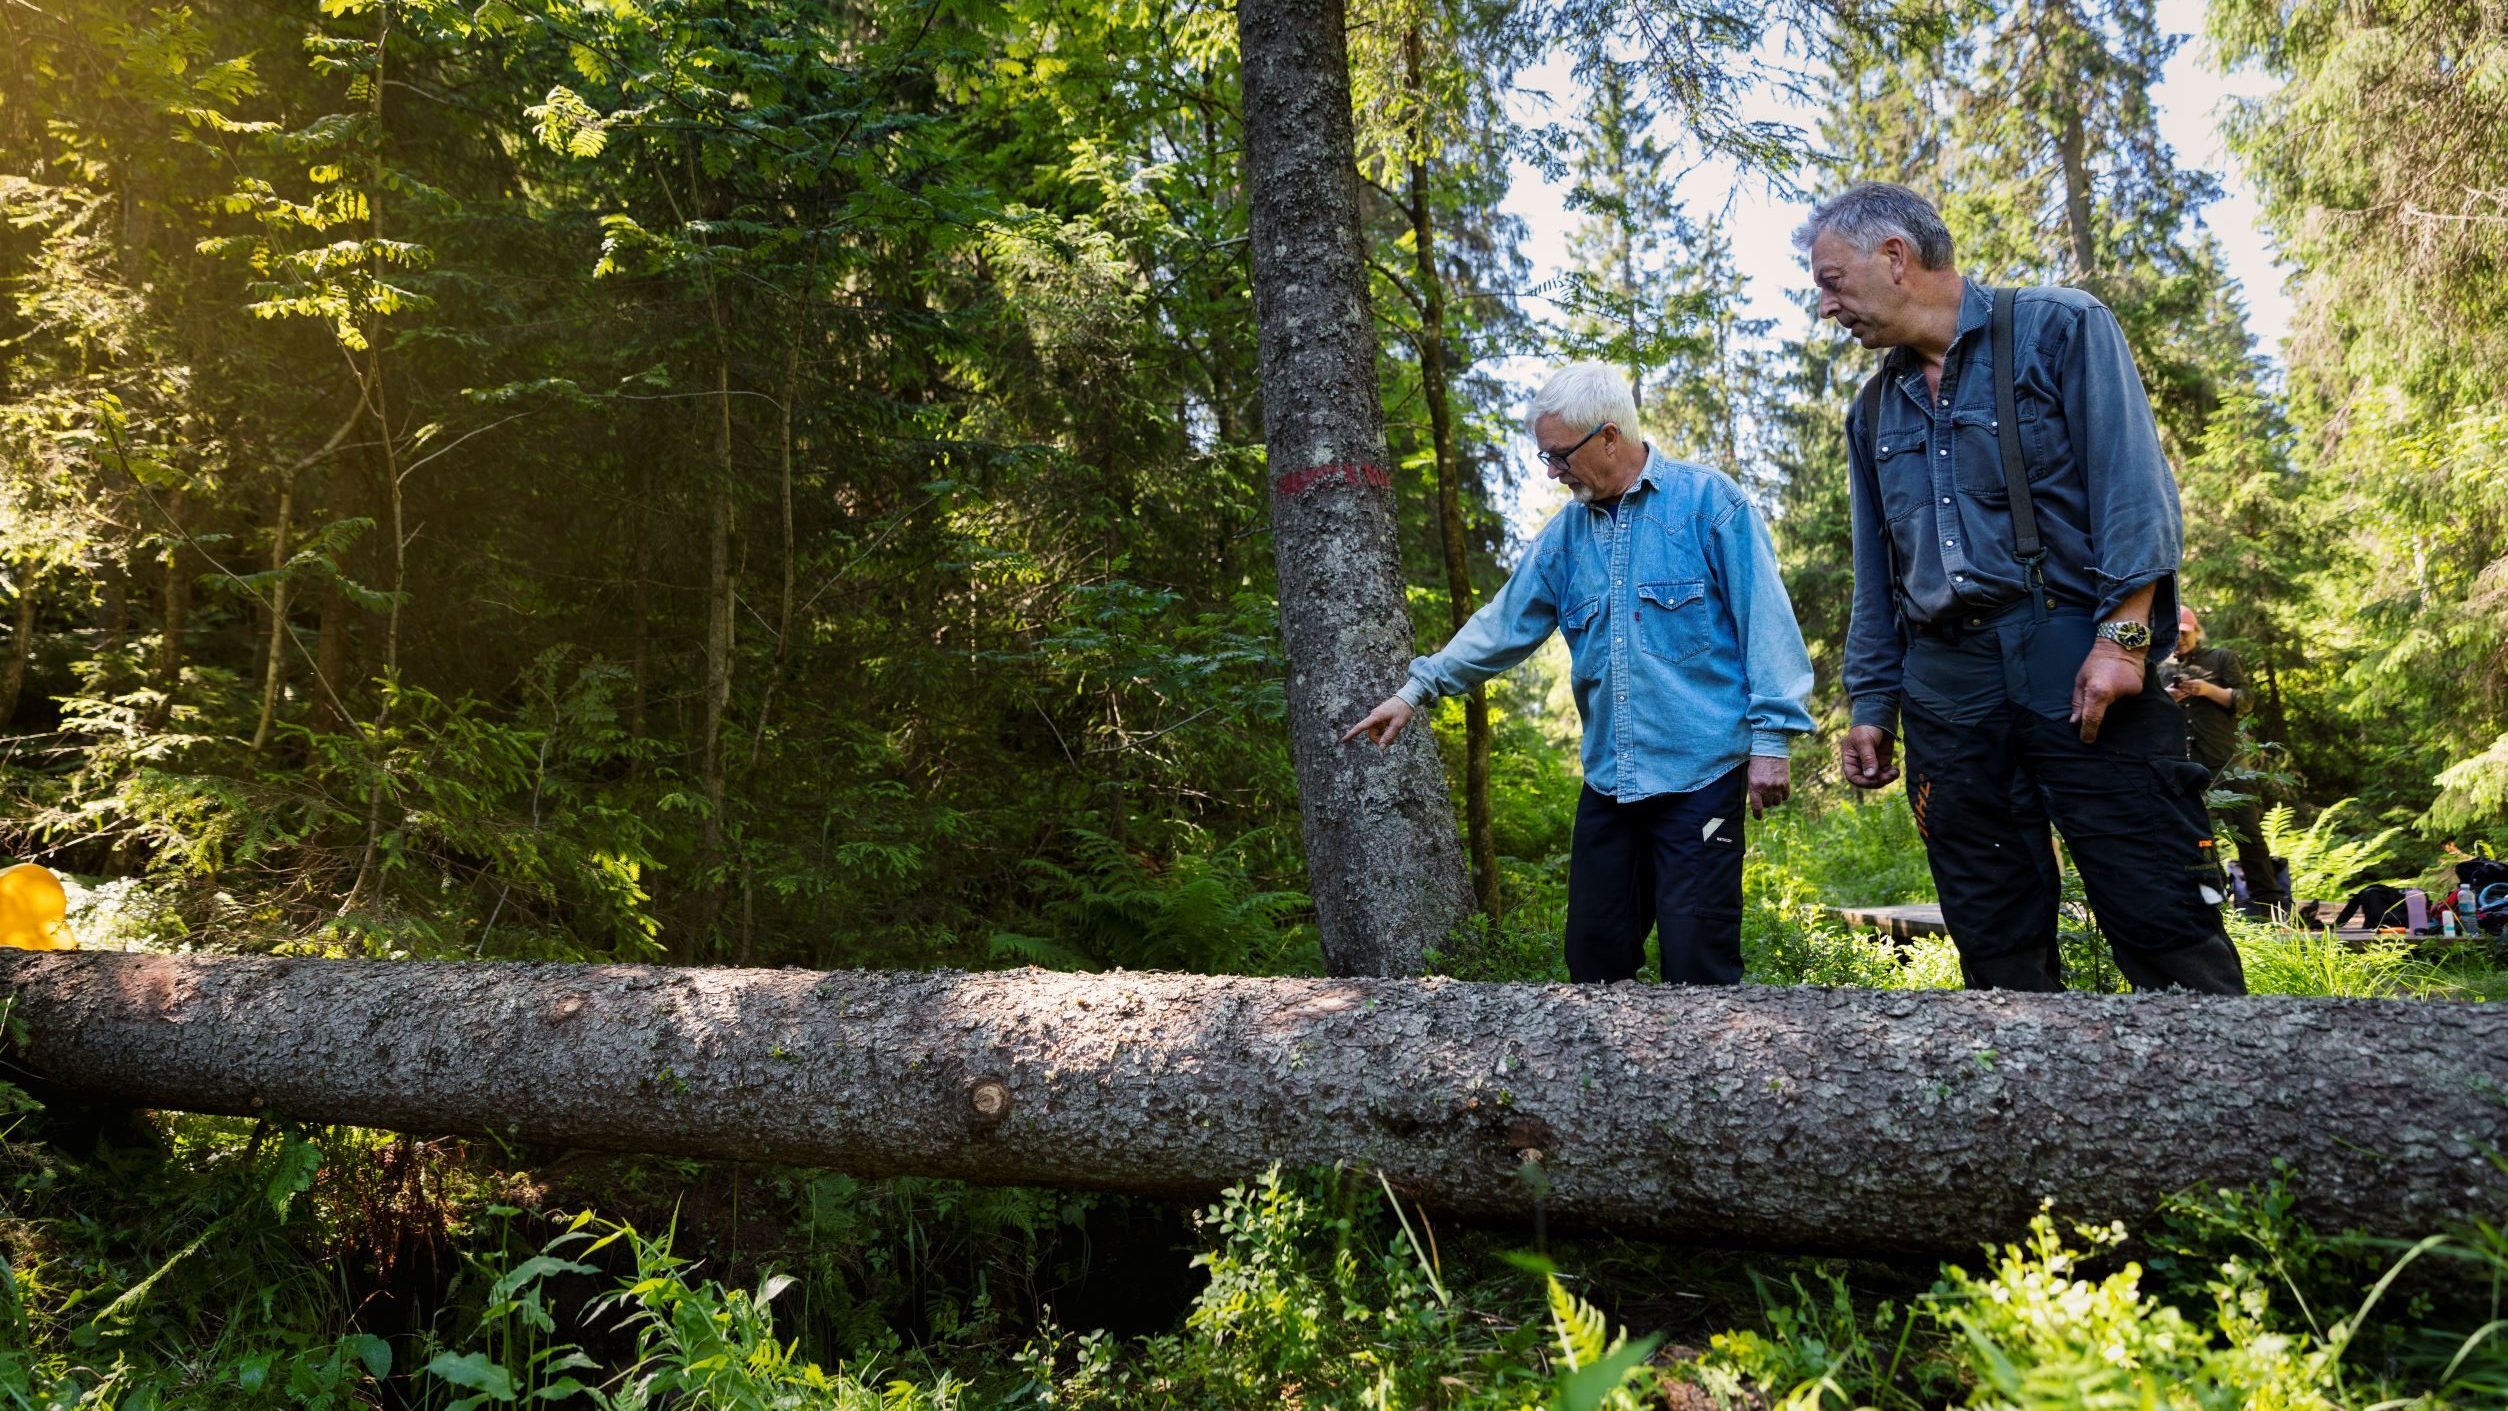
(2025, 543)
(1870, 404)
(1871, 399)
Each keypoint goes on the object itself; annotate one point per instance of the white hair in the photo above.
(1586, 395)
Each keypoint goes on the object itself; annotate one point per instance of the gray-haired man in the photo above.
(1689, 672)
(2016, 540)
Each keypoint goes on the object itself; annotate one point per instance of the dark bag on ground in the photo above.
(2488, 879)
(2378, 906)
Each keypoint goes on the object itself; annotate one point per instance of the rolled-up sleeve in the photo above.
(2233, 678)
(1876, 646)
(1776, 666)
(2136, 534)
(1505, 631)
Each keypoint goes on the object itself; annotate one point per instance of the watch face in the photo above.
(2132, 636)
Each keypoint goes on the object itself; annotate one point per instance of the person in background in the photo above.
(2016, 553)
(1689, 671)
(2212, 686)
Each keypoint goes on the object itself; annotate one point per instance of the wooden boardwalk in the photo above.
(1906, 923)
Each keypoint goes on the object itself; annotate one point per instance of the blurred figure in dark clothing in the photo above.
(2212, 686)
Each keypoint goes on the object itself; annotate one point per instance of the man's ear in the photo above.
(1894, 250)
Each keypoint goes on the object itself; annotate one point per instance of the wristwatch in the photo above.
(2132, 636)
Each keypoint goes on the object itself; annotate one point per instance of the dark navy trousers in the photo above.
(1670, 863)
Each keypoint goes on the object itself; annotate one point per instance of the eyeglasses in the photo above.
(1558, 460)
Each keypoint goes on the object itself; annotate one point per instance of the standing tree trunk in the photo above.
(177, 603)
(2070, 149)
(274, 660)
(274, 665)
(1863, 1120)
(376, 399)
(721, 588)
(21, 649)
(1479, 825)
(1381, 851)
(784, 598)
(335, 612)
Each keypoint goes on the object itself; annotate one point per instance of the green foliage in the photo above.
(1822, 1350)
(2040, 1332)
(2284, 960)
(1199, 913)
(2324, 863)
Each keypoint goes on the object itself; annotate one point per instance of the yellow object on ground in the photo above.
(34, 911)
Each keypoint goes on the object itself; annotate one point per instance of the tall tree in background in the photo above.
(2380, 161)
(1624, 294)
(1381, 849)
(2034, 130)
(1428, 80)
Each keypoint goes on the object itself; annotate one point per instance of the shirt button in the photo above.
(1946, 499)
(1959, 577)
(1950, 543)
(1946, 450)
(1885, 450)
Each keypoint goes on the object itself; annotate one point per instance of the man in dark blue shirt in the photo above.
(2010, 582)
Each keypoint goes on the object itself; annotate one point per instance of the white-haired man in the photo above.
(1689, 670)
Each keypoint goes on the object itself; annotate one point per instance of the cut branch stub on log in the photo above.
(1801, 1118)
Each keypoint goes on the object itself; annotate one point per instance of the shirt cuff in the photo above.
(1417, 693)
(1771, 744)
(1877, 710)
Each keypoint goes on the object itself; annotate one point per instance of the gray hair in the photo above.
(1868, 214)
(1586, 394)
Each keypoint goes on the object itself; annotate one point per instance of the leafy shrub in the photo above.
(1199, 912)
(2038, 1333)
(2325, 863)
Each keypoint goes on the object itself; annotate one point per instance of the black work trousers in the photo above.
(1670, 863)
(1992, 763)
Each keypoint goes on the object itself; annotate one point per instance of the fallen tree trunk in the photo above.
(1794, 1117)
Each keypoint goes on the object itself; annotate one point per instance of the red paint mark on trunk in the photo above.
(1298, 482)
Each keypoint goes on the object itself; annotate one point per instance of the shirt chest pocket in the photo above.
(1581, 624)
(1673, 618)
(1980, 455)
(1906, 478)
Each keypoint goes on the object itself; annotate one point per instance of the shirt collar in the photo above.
(1976, 310)
(1651, 473)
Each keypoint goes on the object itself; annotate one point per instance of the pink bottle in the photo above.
(2416, 910)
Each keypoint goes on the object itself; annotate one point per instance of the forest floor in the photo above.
(177, 1261)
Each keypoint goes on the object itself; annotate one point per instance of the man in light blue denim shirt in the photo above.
(1689, 672)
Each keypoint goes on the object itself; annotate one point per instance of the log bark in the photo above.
(1847, 1120)
(1385, 865)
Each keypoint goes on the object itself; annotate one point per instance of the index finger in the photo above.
(2093, 710)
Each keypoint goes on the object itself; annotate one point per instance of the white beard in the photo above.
(1580, 492)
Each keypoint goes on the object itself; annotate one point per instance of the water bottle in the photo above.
(2468, 912)
(2447, 922)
